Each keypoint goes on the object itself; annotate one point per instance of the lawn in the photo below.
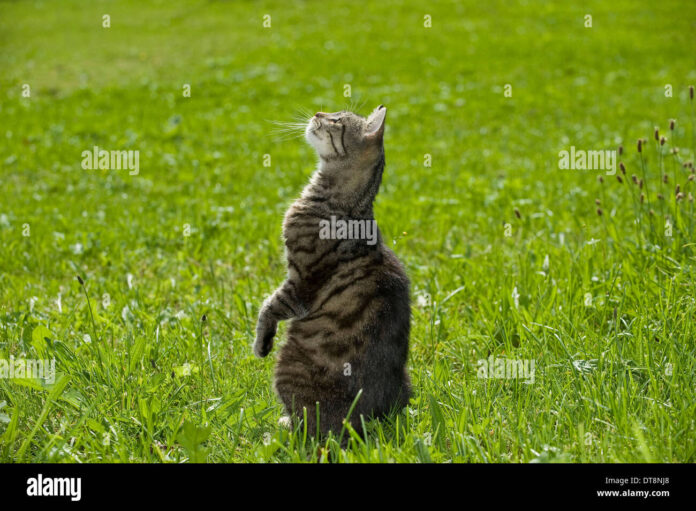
(510, 257)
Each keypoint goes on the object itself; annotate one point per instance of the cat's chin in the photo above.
(313, 140)
(310, 136)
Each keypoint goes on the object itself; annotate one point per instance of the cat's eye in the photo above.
(335, 120)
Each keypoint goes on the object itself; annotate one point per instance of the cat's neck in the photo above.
(338, 187)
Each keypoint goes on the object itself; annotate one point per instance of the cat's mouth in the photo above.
(313, 126)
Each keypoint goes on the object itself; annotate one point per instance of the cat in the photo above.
(347, 296)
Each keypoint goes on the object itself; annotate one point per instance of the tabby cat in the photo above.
(346, 293)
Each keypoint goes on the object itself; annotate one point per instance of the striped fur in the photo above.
(348, 300)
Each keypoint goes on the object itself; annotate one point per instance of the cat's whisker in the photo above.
(303, 113)
(287, 132)
(362, 104)
(292, 128)
(286, 123)
(289, 128)
(280, 136)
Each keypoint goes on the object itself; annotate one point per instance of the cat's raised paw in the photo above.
(261, 349)
(264, 340)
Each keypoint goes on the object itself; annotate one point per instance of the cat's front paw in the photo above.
(264, 339)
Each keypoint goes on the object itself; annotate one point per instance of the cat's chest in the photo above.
(301, 231)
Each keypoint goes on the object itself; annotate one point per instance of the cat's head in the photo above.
(345, 135)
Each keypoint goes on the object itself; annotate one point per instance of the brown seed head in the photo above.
(663, 140)
(623, 168)
(657, 133)
(618, 178)
(672, 122)
(640, 145)
(691, 92)
(517, 213)
(599, 211)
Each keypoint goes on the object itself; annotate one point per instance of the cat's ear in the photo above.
(375, 123)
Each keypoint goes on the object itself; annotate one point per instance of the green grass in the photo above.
(615, 373)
